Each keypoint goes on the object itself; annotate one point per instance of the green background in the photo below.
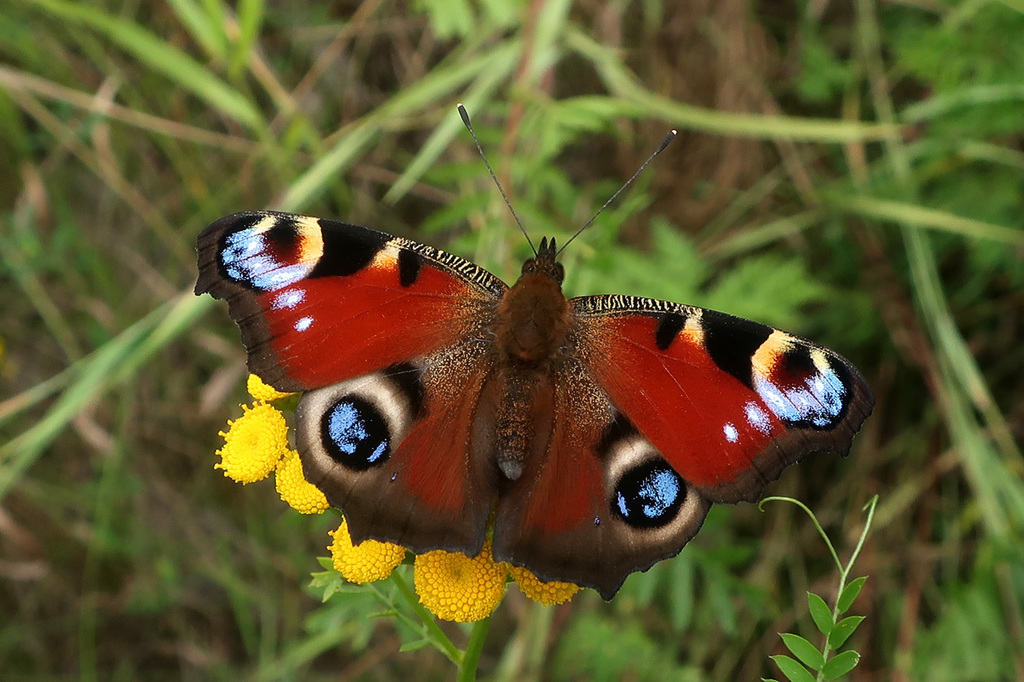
(849, 171)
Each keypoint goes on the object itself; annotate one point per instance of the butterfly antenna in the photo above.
(661, 147)
(469, 126)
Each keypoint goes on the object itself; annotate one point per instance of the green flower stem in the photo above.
(814, 520)
(844, 571)
(435, 635)
(477, 637)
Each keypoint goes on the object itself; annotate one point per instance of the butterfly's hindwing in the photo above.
(600, 503)
(393, 449)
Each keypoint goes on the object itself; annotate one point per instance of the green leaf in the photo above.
(840, 665)
(414, 646)
(808, 654)
(448, 18)
(792, 669)
(823, 76)
(849, 594)
(842, 631)
(821, 613)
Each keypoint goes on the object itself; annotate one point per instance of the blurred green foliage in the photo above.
(849, 172)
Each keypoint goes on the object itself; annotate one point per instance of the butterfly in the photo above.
(588, 436)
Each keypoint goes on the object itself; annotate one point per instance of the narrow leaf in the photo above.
(842, 631)
(820, 612)
(840, 665)
(808, 654)
(792, 669)
(850, 593)
(414, 646)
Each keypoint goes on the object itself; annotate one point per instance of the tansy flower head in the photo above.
(253, 443)
(304, 497)
(260, 390)
(366, 562)
(548, 594)
(459, 588)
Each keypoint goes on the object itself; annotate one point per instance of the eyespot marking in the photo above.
(649, 495)
(804, 389)
(269, 252)
(355, 434)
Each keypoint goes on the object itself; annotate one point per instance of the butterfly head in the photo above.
(544, 264)
(533, 316)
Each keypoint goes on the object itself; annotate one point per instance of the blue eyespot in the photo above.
(650, 495)
(355, 434)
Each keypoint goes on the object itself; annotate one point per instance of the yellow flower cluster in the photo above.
(367, 562)
(456, 587)
(253, 444)
(548, 594)
(451, 585)
(304, 497)
(260, 390)
(256, 444)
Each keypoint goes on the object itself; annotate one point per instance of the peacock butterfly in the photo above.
(590, 434)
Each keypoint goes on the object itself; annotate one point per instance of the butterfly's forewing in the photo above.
(320, 301)
(388, 337)
(730, 402)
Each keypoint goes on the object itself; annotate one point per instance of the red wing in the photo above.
(730, 403)
(392, 450)
(320, 301)
(601, 503)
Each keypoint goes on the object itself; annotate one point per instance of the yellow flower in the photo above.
(304, 497)
(366, 562)
(263, 391)
(459, 588)
(253, 443)
(548, 594)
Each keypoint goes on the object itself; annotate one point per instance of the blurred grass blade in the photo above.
(250, 21)
(921, 216)
(203, 28)
(945, 103)
(161, 56)
(751, 239)
(440, 139)
(115, 361)
(546, 52)
(624, 84)
(997, 489)
(436, 85)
